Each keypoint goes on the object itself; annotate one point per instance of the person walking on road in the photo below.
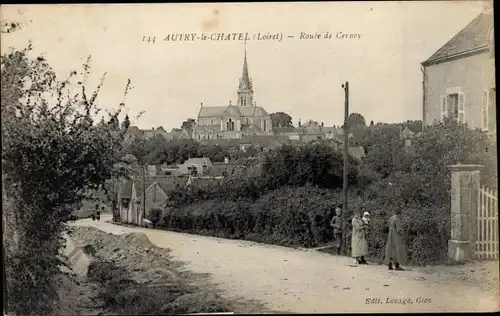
(395, 250)
(359, 244)
(336, 224)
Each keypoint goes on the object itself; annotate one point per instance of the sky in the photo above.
(301, 77)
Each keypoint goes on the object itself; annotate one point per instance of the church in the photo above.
(234, 121)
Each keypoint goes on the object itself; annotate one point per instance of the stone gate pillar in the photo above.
(464, 200)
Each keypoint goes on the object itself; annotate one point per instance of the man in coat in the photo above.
(395, 250)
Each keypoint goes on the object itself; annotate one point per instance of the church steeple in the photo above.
(245, 91)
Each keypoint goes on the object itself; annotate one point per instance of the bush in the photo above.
(314, 164)
(53, 153)
(155, 215)
(287, 216)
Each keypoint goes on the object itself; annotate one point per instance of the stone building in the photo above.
(234, 121)
(459, 79)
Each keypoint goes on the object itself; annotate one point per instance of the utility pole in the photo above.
(346, 164)
(143, 194)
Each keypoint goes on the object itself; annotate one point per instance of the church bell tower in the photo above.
(245, 90)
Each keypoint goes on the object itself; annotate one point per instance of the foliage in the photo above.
(282, 206)
(188, 125)
(354, 120)
(53, 153)
(281, 119)
(157, 150)
(313, 164)
(284, 216)
(414, 125)
(381, 148)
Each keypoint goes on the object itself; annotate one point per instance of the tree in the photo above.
(53, 154)
(188, 125)
(314, 164)
(281, 119)
(354, 120)
(414, 126)
(379, 148)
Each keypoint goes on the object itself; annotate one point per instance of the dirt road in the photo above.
(303, 281)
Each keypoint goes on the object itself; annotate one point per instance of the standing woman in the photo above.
(359, 244)
(395, 250)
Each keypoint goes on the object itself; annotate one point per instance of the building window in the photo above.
(453, 106)
(230, 125)
(265, 125)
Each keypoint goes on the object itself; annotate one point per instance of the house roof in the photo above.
(211, 111)
(228, 169)
(166, 183)
(198, 161)
(222, 142)
(264, 140)
(290, 129)
(406, 133)
(204, 181)
(475, 36)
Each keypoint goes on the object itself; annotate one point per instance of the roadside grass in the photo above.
(135, 277)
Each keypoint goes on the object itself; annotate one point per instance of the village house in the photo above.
(234, 121)
(198, 166)
(135, 132)
(139, 195)
(290, 132)
(458, 79)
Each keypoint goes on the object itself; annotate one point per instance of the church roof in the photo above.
(473, 37)
(211, 111)
(207, 129)
(232, 110)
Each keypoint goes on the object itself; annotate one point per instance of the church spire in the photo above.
(245, 91)
(245, 78)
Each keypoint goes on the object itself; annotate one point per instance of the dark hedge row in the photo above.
(300, 217)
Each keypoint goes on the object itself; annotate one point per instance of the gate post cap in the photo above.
(465, 167)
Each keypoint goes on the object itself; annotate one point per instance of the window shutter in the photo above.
(461, 108)
(484, 111)
(444, 107)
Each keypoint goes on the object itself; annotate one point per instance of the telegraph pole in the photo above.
(346, 163)
(143, 194)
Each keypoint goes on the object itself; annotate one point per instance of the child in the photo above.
(336, 223)
(366, 218)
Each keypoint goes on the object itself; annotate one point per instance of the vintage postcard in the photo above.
(329, 157)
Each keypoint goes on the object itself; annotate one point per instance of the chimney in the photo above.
(300, 124)
(153, 128)
(201, 104)
(322, 124)
(230, 102)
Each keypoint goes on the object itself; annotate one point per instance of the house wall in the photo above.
(471, 74)
(154, 196)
